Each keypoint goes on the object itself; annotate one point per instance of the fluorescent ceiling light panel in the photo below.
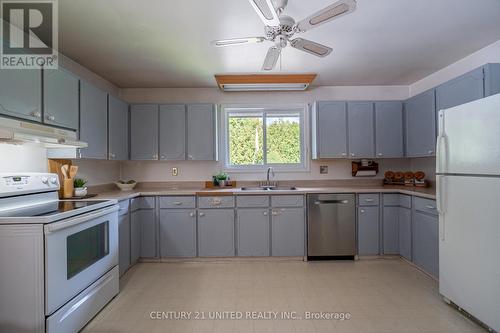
(266, 87)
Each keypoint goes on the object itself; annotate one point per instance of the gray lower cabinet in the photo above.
(60, 98)
(420, 124)
(287, 232)
(135, 236)
(20, 93)
(252, 229)
(216, 233)
(329, 130)
(148, 233)
(405, 233)
(124, 242)
(361, 129)
(144, 132)
(117, 129)
(368, 230)
(177, 233)
(426, 242)
(201, 140)
(389, 129)
(93, 121)
(463, 89)
(390, 227)
(172, 132)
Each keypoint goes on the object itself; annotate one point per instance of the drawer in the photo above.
(252, 201)
(287, 201)
(178, 202)
(368, 199)
(216, 202)
(391, 200)
(124, 206)
(425, 205)
(405, 201)
(143, 203)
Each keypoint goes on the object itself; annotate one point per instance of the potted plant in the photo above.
(80, 189)
(221, 179)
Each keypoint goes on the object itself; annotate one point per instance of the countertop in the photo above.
(429, 193)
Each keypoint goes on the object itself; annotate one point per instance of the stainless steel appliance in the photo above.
(331, 226)
(59, 258)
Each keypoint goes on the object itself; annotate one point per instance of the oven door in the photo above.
(78, 251)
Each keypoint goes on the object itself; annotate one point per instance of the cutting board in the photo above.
(55, 167)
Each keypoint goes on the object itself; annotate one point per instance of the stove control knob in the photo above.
(53, 180)
(45, 180)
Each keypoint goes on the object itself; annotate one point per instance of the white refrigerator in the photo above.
(468, 201)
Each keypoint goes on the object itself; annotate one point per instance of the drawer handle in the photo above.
(216, 202)
(202, 214)
(177, 203)
(191, 214)
(50, 117)
(265, 213)
(274, 213)
(362, 211)
(430, 207)
(369, 200)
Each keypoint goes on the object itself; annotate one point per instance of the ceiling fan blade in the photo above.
(336, 10)
(271, 58)
(237, 41)
(266, 12)
(311, 47)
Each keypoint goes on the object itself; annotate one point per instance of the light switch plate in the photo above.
(175, 171)
(323, 169)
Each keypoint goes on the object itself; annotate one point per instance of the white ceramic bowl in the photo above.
(125, 187)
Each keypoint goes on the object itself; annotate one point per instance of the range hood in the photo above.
(264, 82)
(19, 132)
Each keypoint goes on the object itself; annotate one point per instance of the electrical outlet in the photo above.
(175, 172)
(323, 169)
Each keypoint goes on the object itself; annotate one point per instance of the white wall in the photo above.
(489, 54)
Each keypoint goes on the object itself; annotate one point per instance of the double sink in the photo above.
(269, 188)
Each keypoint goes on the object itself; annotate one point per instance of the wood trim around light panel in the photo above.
(264, 79)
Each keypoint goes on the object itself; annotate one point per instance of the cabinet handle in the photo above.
(430, 152)
(352, 154)
(362, 211)
(274, 213)
(191, 214)
(344, 154)
(36, 114)
(265, 213)
(162, 157)
(111, 155)
(51, 117)
(155, 156)
(430, 207)
(380, 154)
(369, 200)
(202, 214)
(177, 203)
(216, 202)
(190, 157)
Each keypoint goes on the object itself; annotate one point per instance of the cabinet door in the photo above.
(252, 229)
(148, 233)
(124, 243)
(426, 242)
(389, 129)
(173, 132)
(368, 231)
(118, 129)
(21, 93)
(201, 132)
(216, 232)
(331, 124)
(60, 98)
(361, 129)
(144, 132)
(405, 238)
(177, 233)
(288, 225)
(463, 89)
(391, 230)
(135, 236)
(420, 125)
(94, 121)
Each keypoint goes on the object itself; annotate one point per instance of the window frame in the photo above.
(301, 109)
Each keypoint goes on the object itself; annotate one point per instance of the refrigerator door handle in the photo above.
(440, 185)
(441, 152)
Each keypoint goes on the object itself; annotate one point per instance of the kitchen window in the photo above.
(258, 137)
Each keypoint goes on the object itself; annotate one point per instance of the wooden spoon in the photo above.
(72, 171)
(64, 170)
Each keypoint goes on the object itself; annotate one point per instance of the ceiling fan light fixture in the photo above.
(329, 14)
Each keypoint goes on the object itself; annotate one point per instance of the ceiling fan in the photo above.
(281, 28)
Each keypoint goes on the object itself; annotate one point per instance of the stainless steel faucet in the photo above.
(269, 171)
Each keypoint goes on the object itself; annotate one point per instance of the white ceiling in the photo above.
(165, 43)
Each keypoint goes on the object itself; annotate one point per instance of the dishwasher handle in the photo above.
(323, 202)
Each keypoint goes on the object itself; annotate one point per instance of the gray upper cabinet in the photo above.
(252, 230)
(94, 121)
(117, 129)
(368, 230)
(60, 98)
(144, 132)
(491, 79)
(173, 132)
(329, 130)
(361, 130)
(20, 93)
(201, 134)
(177, 233)
(288, 232)
(420, 125)
(389, 129)
(463, 89)
(216, 233)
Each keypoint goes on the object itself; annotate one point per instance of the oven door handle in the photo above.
(56, 226)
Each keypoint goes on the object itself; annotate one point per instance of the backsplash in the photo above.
(22, 158)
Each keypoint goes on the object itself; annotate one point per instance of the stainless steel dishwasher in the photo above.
(331, 226)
